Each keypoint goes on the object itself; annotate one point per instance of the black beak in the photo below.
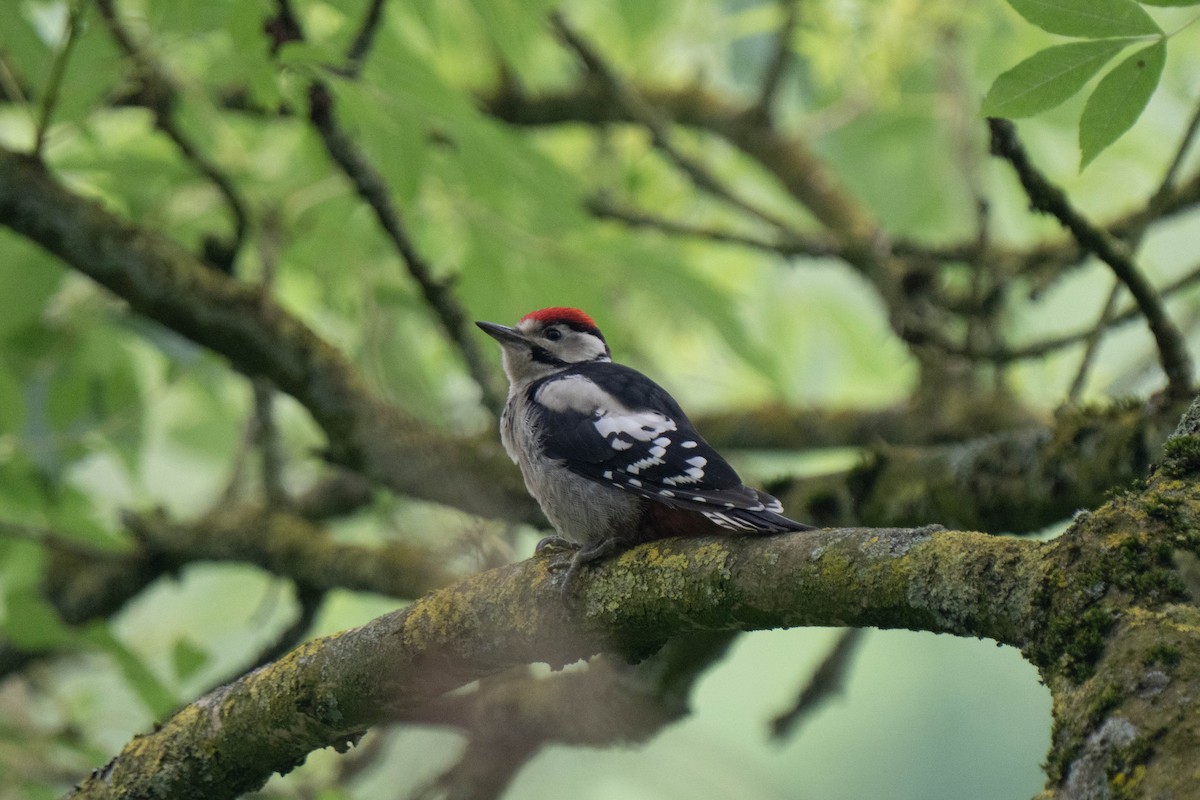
(501, 333)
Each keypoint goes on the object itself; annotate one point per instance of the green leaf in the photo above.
(1092, 19)
(92, 69)
(32, 623)
(29, 277)
(12, 402)
(153, 693)
(188, 658)
(513, 24)
(1048, 77)
(1119, 99)
(1170, 2)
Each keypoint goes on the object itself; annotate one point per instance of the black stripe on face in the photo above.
(544, 356)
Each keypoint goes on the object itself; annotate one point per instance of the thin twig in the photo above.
(266, 438)
(160, 93)
(52, 539)
(1045, 347)
(780, 59)
(1050, 199)
(1093, 343)
(828, 680)
(1134, 239)
(1167, 185)
(648, 117)
(789, 159)
(357, 54)
(371, 187)
(58, 69)
(787, 245)
(266, 433)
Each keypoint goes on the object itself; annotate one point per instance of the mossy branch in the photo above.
(328, 690)
(1018, 481)
(162, 281)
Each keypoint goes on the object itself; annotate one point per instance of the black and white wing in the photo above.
(612, 424)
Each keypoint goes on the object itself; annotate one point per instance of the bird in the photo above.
(609, 455)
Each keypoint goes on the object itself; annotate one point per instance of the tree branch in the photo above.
(286, 545)
(161, 95)
(510, 718)
(83, 584)
(792, 161)
(162, 281)
(1017, 481)
(645, 114)
(371, 187)
(776, 427)
(787, 244)
(58, 68)
(827, 681)
(326, 691)
(363, 40)
(1049, 199)
(780, 58)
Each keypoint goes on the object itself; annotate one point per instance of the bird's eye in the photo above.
(553, 334)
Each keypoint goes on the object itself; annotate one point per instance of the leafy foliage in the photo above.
(877, 250)
(1053, 75)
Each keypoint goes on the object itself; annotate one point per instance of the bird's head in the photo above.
(547, 341)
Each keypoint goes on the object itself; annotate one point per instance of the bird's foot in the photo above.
(555, 543)
(560, 553)
(593, 551)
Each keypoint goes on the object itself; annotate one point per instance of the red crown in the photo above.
(568, 316)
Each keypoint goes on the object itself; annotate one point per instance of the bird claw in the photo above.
(555, 543)
(560, 553)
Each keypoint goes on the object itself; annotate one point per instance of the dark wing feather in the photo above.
(646, 445)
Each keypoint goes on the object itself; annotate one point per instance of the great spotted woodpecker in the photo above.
(610, 456)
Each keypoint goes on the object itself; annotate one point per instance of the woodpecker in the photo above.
(607, 453)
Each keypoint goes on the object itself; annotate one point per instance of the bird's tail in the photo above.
(768, 519)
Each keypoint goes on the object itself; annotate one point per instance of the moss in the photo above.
(1181, 456)
(1127, 767)
(1165, 655)
(1108, 699)
(1145, 569)
(1073, 643)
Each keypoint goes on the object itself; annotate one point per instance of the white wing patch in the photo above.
(573, 393)
(644, 426)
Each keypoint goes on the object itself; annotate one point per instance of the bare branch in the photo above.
(1161, 196)
(648, 116)
(372, 188)
(790, 159)
(1092, 343)
(83, 583)
(780, 58)
(1017, 481)
(826, 682)
(788, 245)
(163, 282)
(1049, 199)
(363, 40)
(161, 95)
(58, 68)
(291, 547)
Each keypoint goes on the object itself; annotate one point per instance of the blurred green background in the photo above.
(102, 411)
